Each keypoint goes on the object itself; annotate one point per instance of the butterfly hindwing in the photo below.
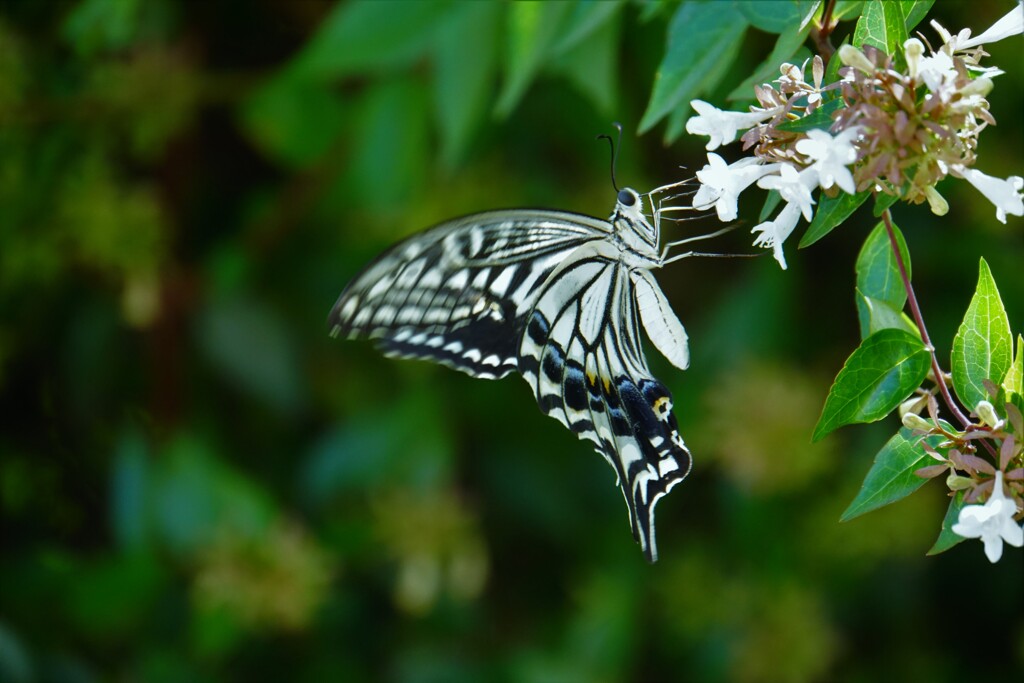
(582, 357)
(456, 294)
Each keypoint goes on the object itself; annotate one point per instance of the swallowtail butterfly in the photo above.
(558, 297)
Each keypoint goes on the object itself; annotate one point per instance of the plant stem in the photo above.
(915, 311)
(820, 33)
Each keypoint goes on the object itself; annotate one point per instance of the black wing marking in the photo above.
(458, 294)
(582, 357)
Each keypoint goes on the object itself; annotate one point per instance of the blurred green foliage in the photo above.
(197, 484)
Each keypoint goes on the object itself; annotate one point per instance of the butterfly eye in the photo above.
(627, 197)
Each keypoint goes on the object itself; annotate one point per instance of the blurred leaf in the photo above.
(252, 347)
(874, 315)
(533, 29)
(363, 36)
(947, 539)
(97, 25)
(110, 598)
(465, 57)
(983, 346)
(15, 663)
(892, 477)
(914, 11)
(587, 17)
(703, 39)
(878, 273)
(880, 374)
(391, 153)
(130, 491)
(294, 121)
(196, 497)
(409, 445)
(592, 66)
(831, 212)
(776, 16)
(882, 25)
(787, 49)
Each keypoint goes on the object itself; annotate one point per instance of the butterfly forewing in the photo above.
(456, 294)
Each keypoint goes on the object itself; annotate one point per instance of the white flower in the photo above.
(992, 522)
(1005, 194)
(987, 412)
(1010, 24)
(722, 126)
(913, 49)
(775, 232)
(794, 187)
(721, 184)
(937, 72)
(831, 155)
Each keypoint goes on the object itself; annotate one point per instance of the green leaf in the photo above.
(703, 38)
(878, 273)
(592, 65)
(947, 539)
(819, 119)
(832, 211)
(983, 346)
(465, 59)
(129, 491)
(1014, 381)
(882, 25)
(847, 8)
(770, 202)
(883, 201)
(360, 37)
(587, 17)
(787, 49)
(879, 374)
(269, 370)
(875, 315)
(776, 16)
(915, 11)
(391, 154)
(533, 29)
(294, 121)
(892, 477)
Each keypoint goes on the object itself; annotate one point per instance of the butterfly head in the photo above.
(630, 220)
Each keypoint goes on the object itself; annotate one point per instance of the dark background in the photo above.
(197, 484)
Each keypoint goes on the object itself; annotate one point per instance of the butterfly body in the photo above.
(558, 297)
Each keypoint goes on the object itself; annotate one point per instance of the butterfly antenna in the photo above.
(615, 147)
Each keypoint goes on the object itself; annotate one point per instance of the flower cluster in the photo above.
(889, 131)
(1000, 484)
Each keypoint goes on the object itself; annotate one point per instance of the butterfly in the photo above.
(559, 298)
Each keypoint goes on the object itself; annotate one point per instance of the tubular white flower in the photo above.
(722, 184)
(987, 412)
(913, 49)
(722, 126)
(992, 522)
(937, 72)
(1011, 24)
(775, 232)
(794, 187)
(1005, 194)
(851, 56)
(831, 156)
